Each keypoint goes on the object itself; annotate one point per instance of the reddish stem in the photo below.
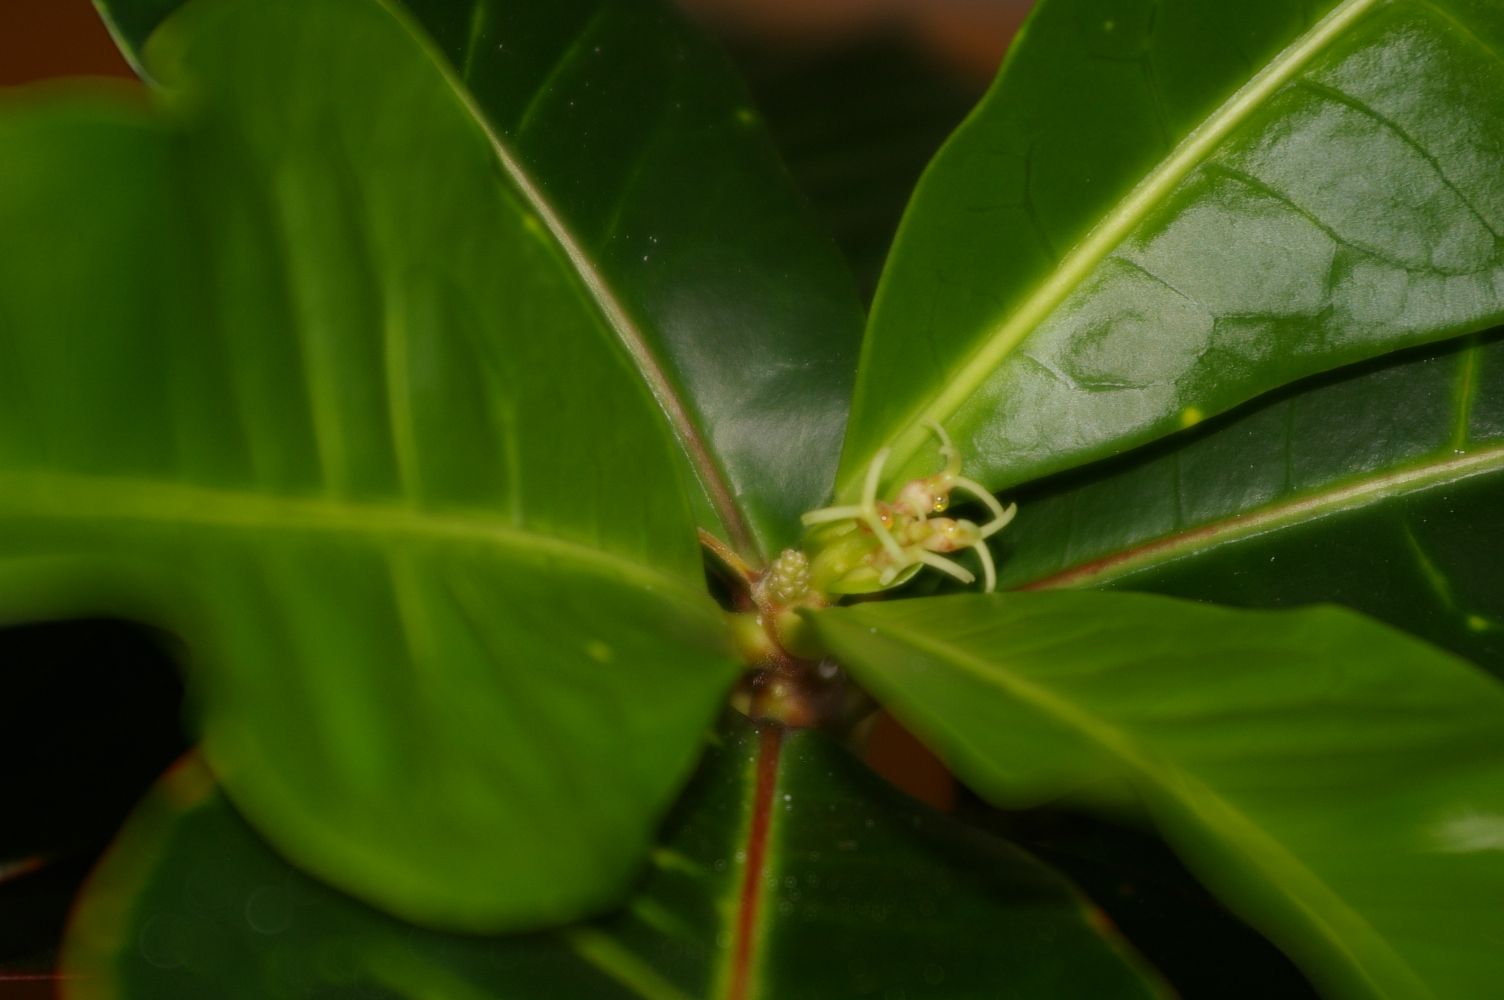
(770, 741)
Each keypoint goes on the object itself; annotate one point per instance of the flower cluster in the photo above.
(877, 544)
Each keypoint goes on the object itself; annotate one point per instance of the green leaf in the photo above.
(1379, 489)
(303, 377)
(859, 890)
(1339, 784)
(639, 149)
(856, 122)
(1164, 209)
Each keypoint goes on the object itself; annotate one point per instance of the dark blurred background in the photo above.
(46, 38)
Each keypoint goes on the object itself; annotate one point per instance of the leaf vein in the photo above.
(1347, 496)
(1326, 910)
(561, 65)
(698, 451)
(1364, 108)
(1113, 229)
(69, 497)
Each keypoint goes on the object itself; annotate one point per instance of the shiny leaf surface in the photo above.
(640, 150)
(1166, 208)
(856, 122)
(263, 386)
(1338, 783)
(859, 890)
(1378, 489)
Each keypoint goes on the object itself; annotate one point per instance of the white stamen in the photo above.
(999, 523)
(869, 512)
(890, 544)
(948, 450)
(827, 514)
(989, 572)
(946, 566)
(1000, 517)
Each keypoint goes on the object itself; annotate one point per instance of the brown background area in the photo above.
(48, 38)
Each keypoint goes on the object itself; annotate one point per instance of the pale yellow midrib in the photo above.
(1249, 839)
(693, 444)
(1354, 494)
(72, 497)
(1111, 231)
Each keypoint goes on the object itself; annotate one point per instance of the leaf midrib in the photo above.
(52, 496)
(696, 448)
(738, 965)
(1108, 234)
(1322, 906)
(1352, 494)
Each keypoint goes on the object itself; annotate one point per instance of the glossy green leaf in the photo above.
(299, 373)
(640, 150)
(860, 890)
(1338, 783)
(1379, 489)
(1167, 207)
(857, 121)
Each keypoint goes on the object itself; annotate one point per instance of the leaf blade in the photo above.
(299, 419)
(747, 342)
(1371, 488)
(1314, 768)
(665, 943)
(1138, 321)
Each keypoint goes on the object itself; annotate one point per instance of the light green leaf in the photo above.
(639, 147)
(297, 371)
(1164, 209)
(856, 889)
(1339, 784)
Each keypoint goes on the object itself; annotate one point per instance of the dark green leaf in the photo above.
(860, 892)
(1338, 783)
(1166, 208)
(1379, 489)
(856, 122)
(308, 381)
(638, 148)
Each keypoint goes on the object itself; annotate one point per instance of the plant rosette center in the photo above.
(881, 543)
(849, 550)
